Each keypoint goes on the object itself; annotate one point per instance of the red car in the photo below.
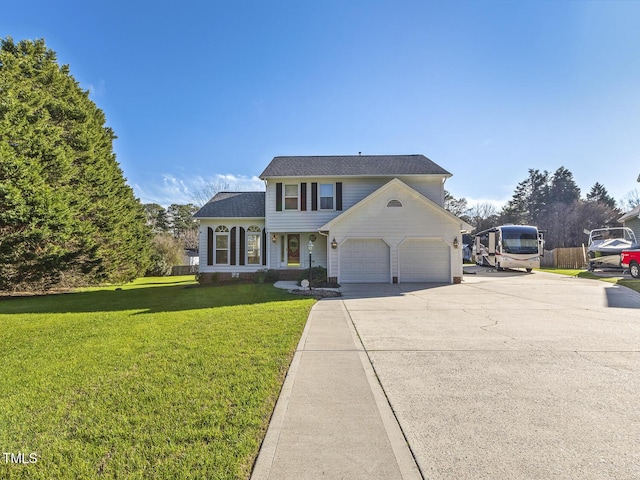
(631, 259)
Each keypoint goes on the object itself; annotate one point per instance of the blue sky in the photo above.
(209, 90)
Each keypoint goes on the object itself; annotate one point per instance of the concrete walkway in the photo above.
(332, 419)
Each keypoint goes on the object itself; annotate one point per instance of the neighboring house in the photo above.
(632, 220)
(191, 257)
(368, 219)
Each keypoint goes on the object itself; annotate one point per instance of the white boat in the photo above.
(606, 245)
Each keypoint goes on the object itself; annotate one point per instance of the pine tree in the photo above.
(563, 188)
(65, 209)
(157, 218)
(599, 194)
(529, 200)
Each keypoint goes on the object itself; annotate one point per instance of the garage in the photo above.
(424, 260)
(364, 261)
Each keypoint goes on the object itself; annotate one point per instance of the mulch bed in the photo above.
(317, 293)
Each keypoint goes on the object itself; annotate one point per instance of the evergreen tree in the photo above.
(527, 206)
(599, 194)
(65, 209)
(181, 218)
(563, 188)
(157, 218)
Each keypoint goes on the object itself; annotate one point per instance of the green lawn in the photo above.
(625, 282)
(175, 381)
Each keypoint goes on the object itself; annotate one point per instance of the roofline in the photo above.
(631, 214)
(445, 175)
(419, 196)
(229, 218)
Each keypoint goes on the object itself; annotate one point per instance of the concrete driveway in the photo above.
(509, 375)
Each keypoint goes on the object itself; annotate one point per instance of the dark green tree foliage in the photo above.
(66, 213)
(181, 218)
(599, 194)
(563, 188)
(157, 218)
(529, 200)
(553, 204)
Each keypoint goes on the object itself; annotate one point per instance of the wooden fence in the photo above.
(574, 257)
(184, 269)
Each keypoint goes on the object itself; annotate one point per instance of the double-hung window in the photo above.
(222, 245)
(254, 237)
(291, 197)
(326, 196)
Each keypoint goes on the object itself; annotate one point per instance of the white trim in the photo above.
(464, 226)
(226, 233)
(284, 197)
(333, 197)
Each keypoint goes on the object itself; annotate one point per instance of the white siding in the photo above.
(229, 223)
(414, 219)
(353, 191)
(634, 224)
(318, 257)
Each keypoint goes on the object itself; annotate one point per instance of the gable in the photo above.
(396, 202)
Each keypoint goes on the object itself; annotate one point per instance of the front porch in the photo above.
(291, 252)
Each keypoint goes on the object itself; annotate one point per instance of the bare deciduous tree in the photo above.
(208, 191)
(630, 201)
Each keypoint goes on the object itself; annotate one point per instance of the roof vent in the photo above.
(394, 203)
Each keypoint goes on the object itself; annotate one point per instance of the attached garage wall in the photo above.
(396, 215)
(365, 261)
(424, 260)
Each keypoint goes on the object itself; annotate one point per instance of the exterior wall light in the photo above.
(456, 244)
(334, 244)
(274, 239)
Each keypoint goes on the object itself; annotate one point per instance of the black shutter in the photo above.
(314, 196)
(278, 197)
(209, 246)
(303, 197)
(264, 247)
(242, 248)
(338, 195)
(232, 254)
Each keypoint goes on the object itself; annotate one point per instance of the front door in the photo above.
(293, 249)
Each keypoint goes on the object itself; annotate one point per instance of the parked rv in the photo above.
(509, 246)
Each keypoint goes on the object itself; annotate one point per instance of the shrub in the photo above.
(207, 278)
(266, 276)
(166, 252)
(318, 276)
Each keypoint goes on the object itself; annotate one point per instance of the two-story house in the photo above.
(366, 218)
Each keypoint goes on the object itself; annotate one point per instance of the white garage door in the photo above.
(424, 260)
(364, 261)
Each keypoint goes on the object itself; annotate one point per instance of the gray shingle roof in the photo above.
(352, 165)
(233, 205)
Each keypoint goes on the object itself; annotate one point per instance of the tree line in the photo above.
(553, 203)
